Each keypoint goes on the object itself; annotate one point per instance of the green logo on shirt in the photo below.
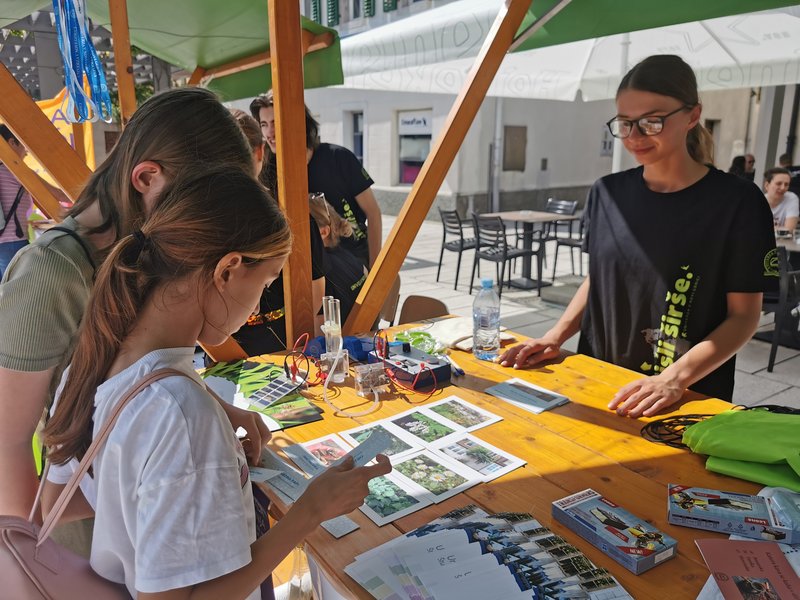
(771, 263)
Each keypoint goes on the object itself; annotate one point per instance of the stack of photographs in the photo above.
(433, 455)
(527, 396)
(469, 554)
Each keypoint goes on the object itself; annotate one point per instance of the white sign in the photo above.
(418, 122)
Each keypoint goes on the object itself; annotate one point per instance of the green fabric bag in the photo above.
(756, 445)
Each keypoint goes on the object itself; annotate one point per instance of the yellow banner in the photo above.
(55, 109)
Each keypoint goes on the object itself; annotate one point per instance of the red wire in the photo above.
(380, 342)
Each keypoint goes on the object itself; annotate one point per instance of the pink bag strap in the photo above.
(72, 485)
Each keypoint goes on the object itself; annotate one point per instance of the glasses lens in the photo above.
(651, 125)
(619, 128)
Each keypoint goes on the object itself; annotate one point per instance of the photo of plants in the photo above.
(387, 498)
(397, 445)
(423, 427)
(459, 413)
(475, 456)
(433, 476)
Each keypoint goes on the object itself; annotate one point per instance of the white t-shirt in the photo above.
(789, 207)
(171, 489)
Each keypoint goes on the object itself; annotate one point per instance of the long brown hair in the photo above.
(269, 173)
(669, 75)
(250, 128)
(326, 216)
(179, 129)
(225, 210)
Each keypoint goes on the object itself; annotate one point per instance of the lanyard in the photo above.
(80, 59)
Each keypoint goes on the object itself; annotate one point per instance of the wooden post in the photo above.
(123, 65)
(196, 76)
(30, 125)
(30, 181)
(387, 266)
(287, 83)
(79, 138)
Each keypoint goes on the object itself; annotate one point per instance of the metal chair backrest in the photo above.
(561, 207)
(490, 231)
(452, 222)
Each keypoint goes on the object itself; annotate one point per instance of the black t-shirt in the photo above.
(344, 278)
(265, 336)
(661, 265)
(337, 173)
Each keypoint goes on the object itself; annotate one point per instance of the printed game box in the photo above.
(754, 517)
(629, 540)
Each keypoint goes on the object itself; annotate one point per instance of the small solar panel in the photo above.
(275, 390)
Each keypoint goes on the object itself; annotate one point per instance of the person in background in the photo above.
(749, 167)
(252, 133)
(265, 330)
(737, 166)
(680, 253)
(344, 273)
(16, 203)
(784, 204)
(336, 172)
(785, 161)
(172, 498)
(46, 287)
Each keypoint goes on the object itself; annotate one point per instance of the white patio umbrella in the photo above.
(433, 52)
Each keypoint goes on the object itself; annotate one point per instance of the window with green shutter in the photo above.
(369, 8)
(389, 5)
(316, 11)
(333, 13)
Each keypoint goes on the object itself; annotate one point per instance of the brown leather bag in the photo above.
(32, 566)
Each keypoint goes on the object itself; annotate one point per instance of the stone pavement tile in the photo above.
(788, 397)
(754, 356)
(787, 372)
(752, 389)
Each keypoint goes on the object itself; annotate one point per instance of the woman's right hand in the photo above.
(531, 352)
(340, 489)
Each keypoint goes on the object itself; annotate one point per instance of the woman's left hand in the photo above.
(258, 434)
(646, 397)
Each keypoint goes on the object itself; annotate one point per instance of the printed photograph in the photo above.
(397, 446)
(325, 450)
(462, 414)
(423, 427)
(291, 413)
(435, 477)
(478, 456)
(386, 498)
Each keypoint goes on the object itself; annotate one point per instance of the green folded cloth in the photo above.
(756, 445)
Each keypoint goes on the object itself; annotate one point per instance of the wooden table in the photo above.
(528, 218)
(568, 449)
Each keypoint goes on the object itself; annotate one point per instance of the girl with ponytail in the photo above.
(680, 253)
(172, 498)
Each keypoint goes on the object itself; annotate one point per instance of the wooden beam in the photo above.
(30, 181)
(387, 265)
(196, 76)
(123, 65)
(290, 124)
(42, 139)
(227, 351)
(79, 138)
(310, 43)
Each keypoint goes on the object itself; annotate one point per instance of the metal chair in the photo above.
(454, 226)
(785, 306)
(573, 244)
(490, 233)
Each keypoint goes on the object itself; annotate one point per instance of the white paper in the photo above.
(398, 447)
(487, 460)
(328, 449)
(398, 500)
(304, 459)
(377, 442)
(460, 414)
(439, 476)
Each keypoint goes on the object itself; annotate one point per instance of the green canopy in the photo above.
(585, 19)
(206, 33)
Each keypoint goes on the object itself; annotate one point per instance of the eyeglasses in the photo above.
(622, 128)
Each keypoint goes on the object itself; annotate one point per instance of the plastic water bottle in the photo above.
(486, 322)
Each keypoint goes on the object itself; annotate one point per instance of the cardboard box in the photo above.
(754, 517)
(629, 540)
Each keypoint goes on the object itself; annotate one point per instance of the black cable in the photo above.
(669, 431)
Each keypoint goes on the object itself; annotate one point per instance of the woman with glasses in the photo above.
(680, 253)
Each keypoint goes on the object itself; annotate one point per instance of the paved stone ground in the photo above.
(522, 311)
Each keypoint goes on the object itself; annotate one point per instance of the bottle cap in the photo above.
(487, 283)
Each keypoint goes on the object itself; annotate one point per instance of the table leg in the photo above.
(526, 282)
